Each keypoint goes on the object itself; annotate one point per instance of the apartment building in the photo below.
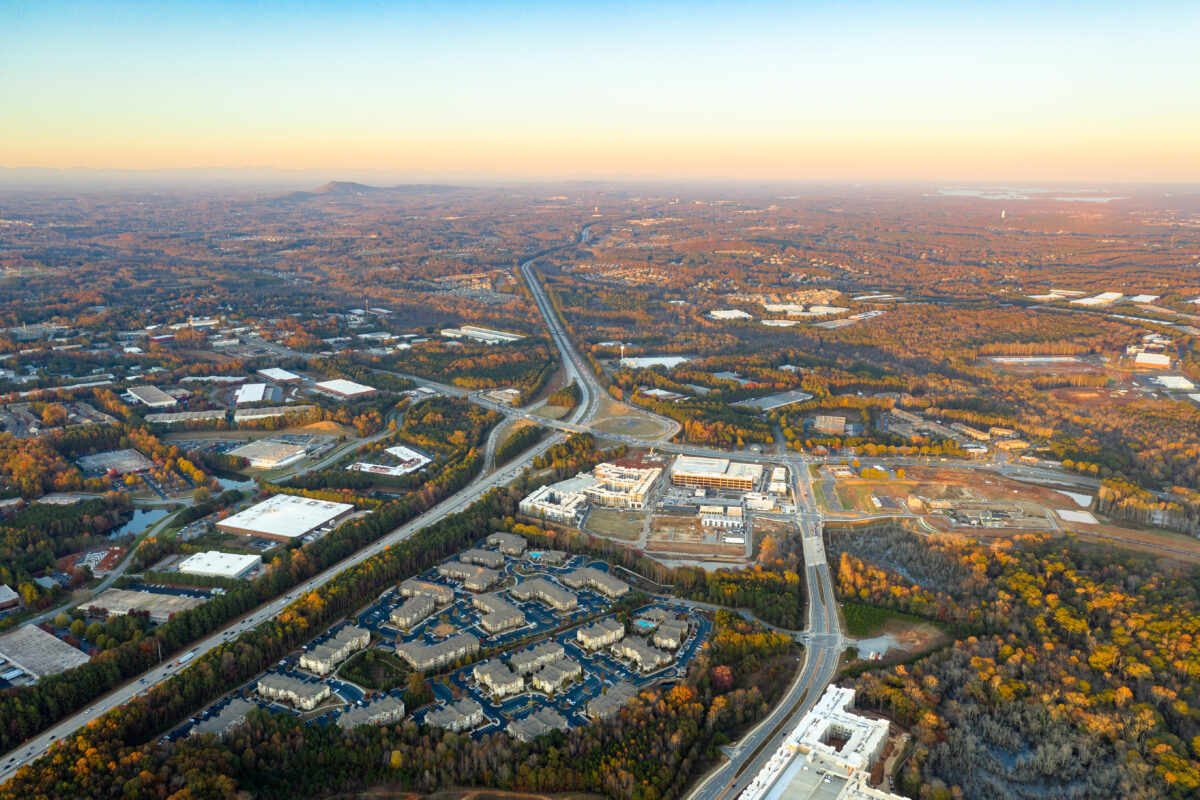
(484, 558)
(671, 634)
(461, 716)
(498, 614)
(601, 633)
(556, 506)
(412, 611)
(553, 676)
(547, 592)
(507, 543)
(229, 718)
(594, 579)
(608, 704)
(536, 724)
(381, 712)
(323, 658)
(498, 679)
(301, 694)
(438, 593)
(535, 658)
(473, 577)
(622, 487)
(424, 657)
(646, 658)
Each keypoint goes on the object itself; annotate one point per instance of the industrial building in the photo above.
(268, 454)
(229, 718)
(152, 397)
(172, 417)
(507, 543)
(122, 462)
(601, 633)
(548, 592)
(423, 657)
(250, 414)
(276, 375)
(824, 423)
(608, 704)
(594, 579)
(301, 694)
(412, 611)
(216, 564)
(473, 577)
(32, 650)
(622, 487)
(344, 389)
(555, 506)
(323, 658)
(485, 335)
(412, 587)
(721, 517)
(160, 607)
(456, 717)
(540, 722)
(257, 393)
(285, 517)
(498, 679)
(498, 615)
(715, 473)
(384, 711)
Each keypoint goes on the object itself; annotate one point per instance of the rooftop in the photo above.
(285, 515)
(39, 653)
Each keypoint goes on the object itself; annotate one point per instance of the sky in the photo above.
(998, 91)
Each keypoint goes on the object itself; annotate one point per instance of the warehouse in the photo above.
(256, 393)
(284, 517)
(38, 653)
(118, 602)
(276, 375)
(216, 564)
(344, 389)
(152, 397)
(715, 473)
(268, 454)
(122, 462)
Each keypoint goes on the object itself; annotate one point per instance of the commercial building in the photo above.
(384, 711)
(498, 615)
(152, 397)
(323, 658)
(301, 694)
(646, 658)
(268, 454)
(256, 393)
(484, 558)
(122, 462)
(540, 722)
(1152, 360)
(172, 417)
(507, 543)
(229, 718)
(285, 517)
(461, 716)
(609, 703)
(824, 423)
(32, 650)
(671, 634)
(549, 593)
(485, 335)
(601, 633)
(216, 564)
(344, 389)
(276, 375)
(435, 591)
(412, 611)
(555, 506)
(250, 414)
(424, 657)
(8, 598)
(498, 679)
(410, 461)
(473, 577)
(160, 607)
(721, 516)
(537, 657)
(622, 487)
(553, 676)
(715, 473)
(594, 579)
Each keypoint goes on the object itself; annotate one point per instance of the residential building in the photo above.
(499, 615)
(226, 720)
(323, 658)
(473, 577)
(498, 679)
(507, 543)
(301, 694)
(412, 611)
(537, 657)
(606, 705)
(622, 487)
(594, 579)
(601, 633)
(646, 658)
(536, 724)
(555, 506)
(553, 676)
(461, 716)
(384, 711)
(484, 558)
(435, 591)
(671, 634)
(546, 591)
(424, 657)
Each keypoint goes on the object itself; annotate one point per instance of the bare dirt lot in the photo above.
(687, 536)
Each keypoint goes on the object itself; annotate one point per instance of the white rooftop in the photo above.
(285, 515)
(251, 393)
(699, 464)
(277, 374)
(215, 562)
(344, 387)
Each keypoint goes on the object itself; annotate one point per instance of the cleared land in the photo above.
(615, 524)
(685, 535)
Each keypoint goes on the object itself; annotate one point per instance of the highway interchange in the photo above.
(823, 637)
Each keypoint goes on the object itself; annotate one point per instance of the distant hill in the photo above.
(352, 189)
(346, 187)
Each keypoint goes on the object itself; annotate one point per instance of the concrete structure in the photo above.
(715, 473)
(160, 607)
(548, 592)
(729, 313)
(276, 375)
(323, 658)
(555, 506)
(256, 393)
(498, 679)
(601, 633)
(498, 615)
(301, 694)
(347, 390)
(267, 454)
(540, 722)
(553, 676)
(609, 703)
(461, 716)
(670, 635)
(484, 558)
(622, 487)
(229, 718)
(384, 711)
(412, 611)
(216, 564)
(646, 658)
(537, 657)
(473, 577)
(435, 591)
(424, 657)
(507, 543)
(31, 649)
(152, 397)
(594, 579)
(410, 461)
(285, 517)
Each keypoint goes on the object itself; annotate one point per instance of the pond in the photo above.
(142, 519)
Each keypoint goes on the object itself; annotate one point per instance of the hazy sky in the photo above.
(947, 91)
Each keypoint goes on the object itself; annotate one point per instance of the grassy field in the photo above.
(615, 524)
(550, 412)
(631, 425)
(864, 620)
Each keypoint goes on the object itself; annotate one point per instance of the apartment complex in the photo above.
(499, 615)
(553, 676)
(536, 724)
(553, 505)
(609, 703)
(301, 694)
(646, 658)
(507, 543)
(456, 717)
(670, 635)
(537, 657)
(622, 487)
(484, 558)
(412, 611)
(600, 633)
(547, 592)
(381, 712)
(434, 591)
(594, 579)
(473, 577)
(424, 657)
(229, 718)
(323, 658)
(499, 680)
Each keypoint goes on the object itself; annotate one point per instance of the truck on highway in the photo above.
(186, 657)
